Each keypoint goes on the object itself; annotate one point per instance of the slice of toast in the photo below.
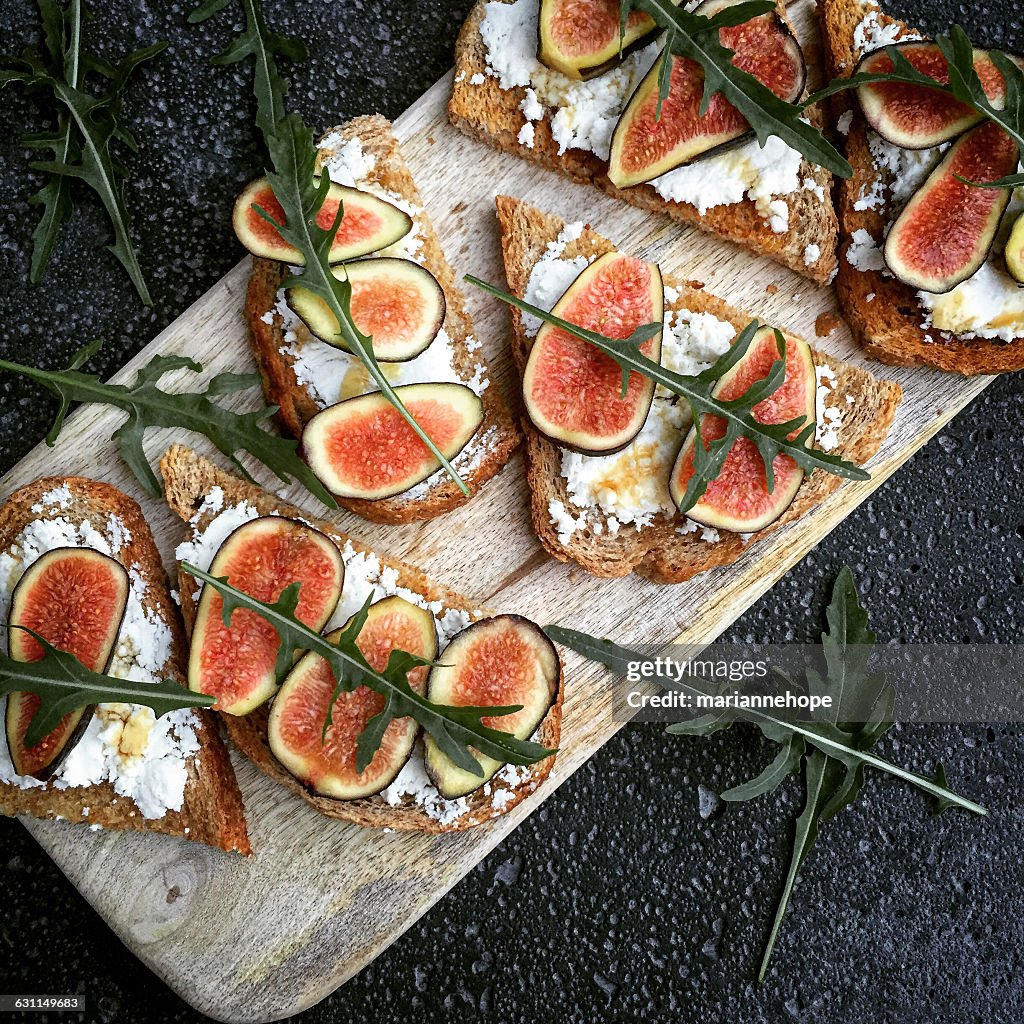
(668, 549)
(189, 481)
(481, 108)
(193, 776)
(302, 375)
(885, 314)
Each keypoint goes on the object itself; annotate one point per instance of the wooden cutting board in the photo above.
(261, 939)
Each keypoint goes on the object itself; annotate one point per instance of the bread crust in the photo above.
(490, 114)
(212, 812)
(658, 552)
(888, 324)
(188, 478)
(296, 406)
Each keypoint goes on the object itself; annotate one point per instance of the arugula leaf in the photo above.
(695, 37)
(86, 127)
(301, 195)
(148, 405)
(63, 684)
(771, 440)
(458, 731)
(964, 85)
(833, 751)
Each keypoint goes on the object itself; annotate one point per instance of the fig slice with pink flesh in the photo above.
(369, 223)
(646, 146)
(327, 764)
(364, 448)
(571, 389)
(738, 499)
(914, 116)
(581, 38)
(396, 302)
(237, 663)
(500, 662)
(75, 599)
(946, 231)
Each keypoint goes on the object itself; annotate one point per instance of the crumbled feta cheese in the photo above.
(812, 253)
(829, 418)
(863, 253)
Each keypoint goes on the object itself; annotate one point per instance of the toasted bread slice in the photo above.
(667, 550)
(885, 314)
(301, 393)
(210, 809)
(483, 110)
(188, 480)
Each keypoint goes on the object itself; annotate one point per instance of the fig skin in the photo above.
(798, 393)
(255, 532)
(884, 104)
(1015, 250)
(390, 436)
(315, 772)
(938, 215)
(451, 781)
(404, 275)
(57, 567)
(722, 126)
(383, 223)
(621, 321)
(583, 67)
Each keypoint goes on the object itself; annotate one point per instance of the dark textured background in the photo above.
(618, 899)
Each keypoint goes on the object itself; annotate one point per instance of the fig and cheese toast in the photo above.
(978, 327)
(656, 542)
(128, 772)
(303, 375)
(543, 117)
(202, 494)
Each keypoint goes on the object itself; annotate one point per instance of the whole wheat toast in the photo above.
(884, 313)
(658, 551)
(188, 478)
(212, 811)
(297, 402)
(481, 109)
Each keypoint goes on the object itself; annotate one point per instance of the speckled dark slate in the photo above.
(618, 899)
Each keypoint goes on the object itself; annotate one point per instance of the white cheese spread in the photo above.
(144, 758)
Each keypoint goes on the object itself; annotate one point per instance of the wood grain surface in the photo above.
(261, 939)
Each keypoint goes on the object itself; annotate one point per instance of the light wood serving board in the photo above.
(261, 939)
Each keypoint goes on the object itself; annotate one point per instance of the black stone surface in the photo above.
(618, 900)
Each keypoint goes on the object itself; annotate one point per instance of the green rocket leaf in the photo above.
(458, 731)
(147, 405)
(63, 684)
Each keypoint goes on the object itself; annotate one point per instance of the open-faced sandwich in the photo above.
(932, 267)
(404, 296)
(78, 567)
(262, 546)
(607, 471)
(546, 79)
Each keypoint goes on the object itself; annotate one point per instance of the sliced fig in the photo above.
(327, 765)
(645, 146)
(497, 662)
(738, 499)
(364, 448)
(572, 390)
(75, 599)
(368, 225)
(1015, 250)
(914, 116)
(580, 38)
(236, 663)
(946, 231)
(396, 302)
